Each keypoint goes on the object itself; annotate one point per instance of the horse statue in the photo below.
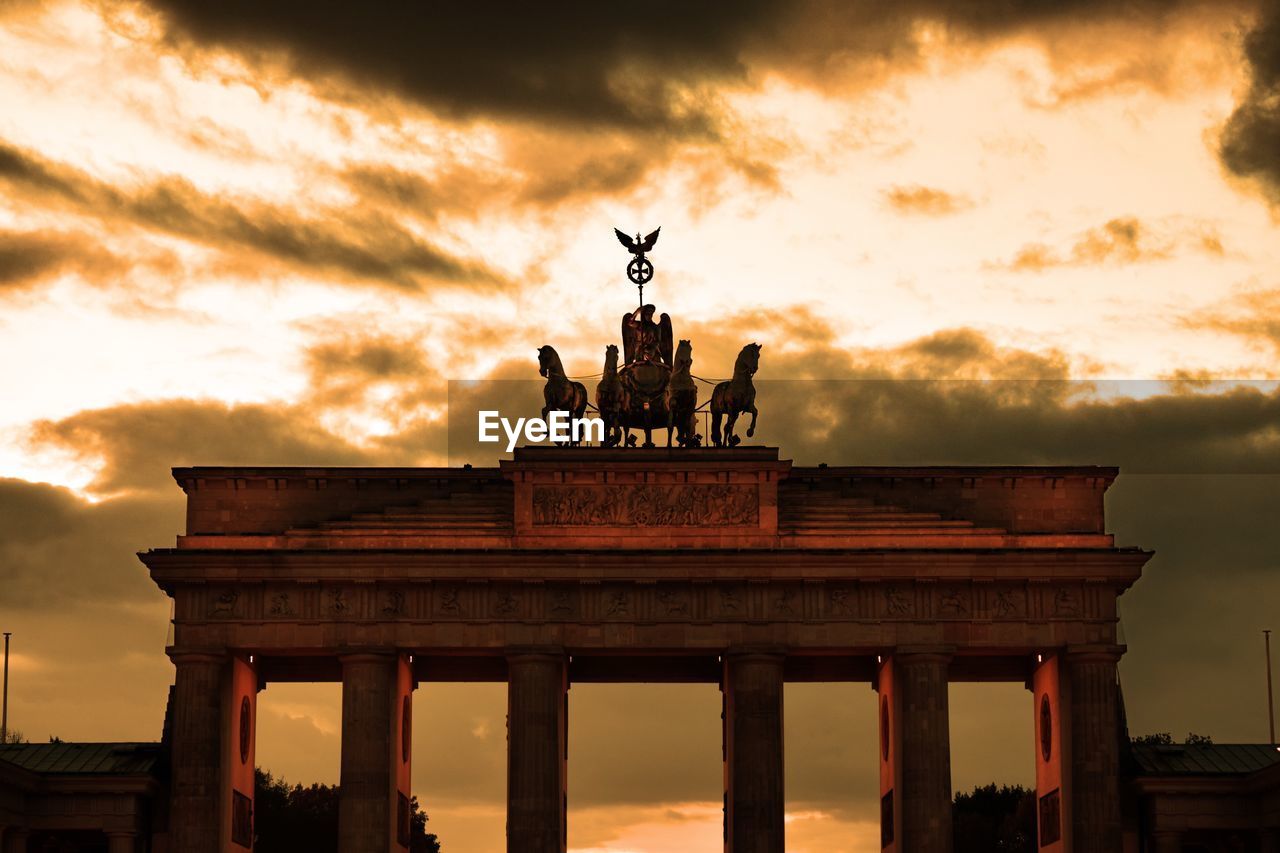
(682, 399)
(611, 398)
(560, 394)
(735, 397)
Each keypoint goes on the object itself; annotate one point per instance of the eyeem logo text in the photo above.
(559, 428)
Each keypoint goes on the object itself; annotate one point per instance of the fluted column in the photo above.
(1095, 749)
(921, 681)
(367, 793)
(537, 743)
(754, 804)
(197, 777)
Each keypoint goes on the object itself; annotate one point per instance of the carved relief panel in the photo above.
(646, 505)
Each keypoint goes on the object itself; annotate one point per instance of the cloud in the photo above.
(1250, 143)
(30, 257)
(395, 374)
(1254, 315)
(357, 246)
(136, 444)
(656, 72)
(925, 201)
(60, 549)
(577, 63)
(1120, 241)
(803, 344)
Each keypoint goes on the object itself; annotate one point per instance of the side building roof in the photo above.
(80, 759)
(1203, 759)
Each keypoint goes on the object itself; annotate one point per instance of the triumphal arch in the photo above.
(722, 564)
(726, 565)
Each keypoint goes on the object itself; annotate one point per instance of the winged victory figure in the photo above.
(643, 340)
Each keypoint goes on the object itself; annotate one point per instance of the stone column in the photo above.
(921, 682)
(15, 840)
(1053, 767)
(754, 800)
(121, 842)
(1095, 748)
(537, 751)
(197, 774)
(366, 807)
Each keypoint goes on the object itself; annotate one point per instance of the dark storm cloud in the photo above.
(957, 397)
(58, 548)
(1250, 145)
(655, 72)
(363, 246)
(576, 63)
(138, 443)
(641, 69)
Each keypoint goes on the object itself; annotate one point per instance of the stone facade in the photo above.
(721, 565)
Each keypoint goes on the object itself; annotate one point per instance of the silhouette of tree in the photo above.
(995, 820)
(1154, 739)
(305, 820)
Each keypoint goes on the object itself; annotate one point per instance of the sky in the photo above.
(268, 232)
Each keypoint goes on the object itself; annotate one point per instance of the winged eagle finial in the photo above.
(638, 245)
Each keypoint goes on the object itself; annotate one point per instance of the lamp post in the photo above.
(1271, 708)
(4, 714)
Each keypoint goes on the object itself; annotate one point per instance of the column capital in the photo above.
(922, 654)
(1099, 653)
(516, 654)
(198, 655)
(347, 656)
(761, 653)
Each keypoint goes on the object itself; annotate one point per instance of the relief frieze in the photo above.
(625, 601)
(280, 604)
(393, 603)
(1065, 602)
(337, 603)
(647, 505)
(953, 602)
(450, 601)
(224, 603)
